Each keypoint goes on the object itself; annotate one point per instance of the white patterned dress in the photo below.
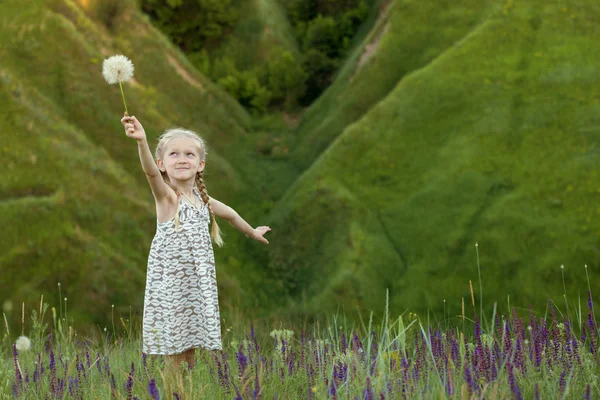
(181, 309)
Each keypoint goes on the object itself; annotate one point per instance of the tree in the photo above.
(319, 69)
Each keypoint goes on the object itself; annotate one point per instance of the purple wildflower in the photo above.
(368, 392)
(576, 349)
(129, 385)
(593, 342)
(97, 362)
(471, 384)
(374, 350)
(18, 375)
(71, 393)
(256, 393)
(219, 371)
(332, 388)
(291, 363)
(514, 388)
(343, 342)
(238, 395)
(562, 382)
(242, 361)
(153, 390)
(588, 394)
(568, 359)
(226, 371)
(113, 384)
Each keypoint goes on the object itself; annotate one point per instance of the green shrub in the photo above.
(319, 68)
(285, 77)
(247, 89)
(192, 24)
(322, 35)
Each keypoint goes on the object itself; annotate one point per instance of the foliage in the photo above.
(285, 77)
(281, 81)
(319, 71)
(245, 87)
(192, 24)
(322, 35)
(324, 29)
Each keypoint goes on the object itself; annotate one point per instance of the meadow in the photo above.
(446, 123)
(524, 354)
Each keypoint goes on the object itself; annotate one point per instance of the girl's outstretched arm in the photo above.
(222, 210)
(134, 129)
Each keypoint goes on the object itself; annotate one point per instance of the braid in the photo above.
(215, 230)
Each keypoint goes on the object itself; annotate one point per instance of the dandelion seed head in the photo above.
(23, 343)
(117, 69)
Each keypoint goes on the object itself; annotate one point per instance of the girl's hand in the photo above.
(259, 232)
(133, 128)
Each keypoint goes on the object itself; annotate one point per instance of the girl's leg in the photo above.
(190, 357)
(174, 361)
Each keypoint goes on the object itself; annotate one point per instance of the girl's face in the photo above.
(181, 159)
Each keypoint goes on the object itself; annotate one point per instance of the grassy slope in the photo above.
(406, 36)
(502, 155)
(261, 27)
(75, 206)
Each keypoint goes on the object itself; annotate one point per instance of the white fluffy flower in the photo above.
(23, 343)
(117, 69)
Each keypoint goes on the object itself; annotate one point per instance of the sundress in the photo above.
(181, 308)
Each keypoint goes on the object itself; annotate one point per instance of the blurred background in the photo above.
(380, 139)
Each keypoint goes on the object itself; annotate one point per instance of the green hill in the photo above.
(449, 123)
(470, 122)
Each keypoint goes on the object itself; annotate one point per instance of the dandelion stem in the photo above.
(123, 95)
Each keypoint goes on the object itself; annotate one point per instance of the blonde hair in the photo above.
(160, 149)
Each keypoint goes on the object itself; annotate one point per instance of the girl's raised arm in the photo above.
(222, 210)
(134, 129)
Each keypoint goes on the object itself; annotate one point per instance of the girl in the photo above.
(181, 310)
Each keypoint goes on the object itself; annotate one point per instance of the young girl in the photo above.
(181, 310)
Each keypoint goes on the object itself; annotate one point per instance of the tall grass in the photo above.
(546, 355)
